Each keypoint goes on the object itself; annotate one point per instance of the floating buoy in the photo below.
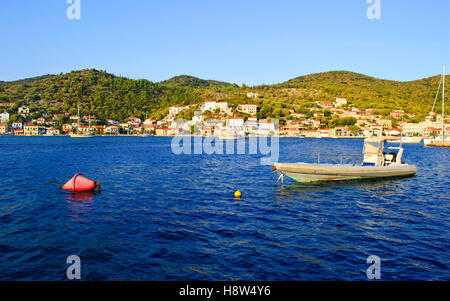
(81, 183)
(237, 194)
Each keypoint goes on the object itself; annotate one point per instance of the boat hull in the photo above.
(305, 172)
(80, 136)
(436, 142)
(407, 140)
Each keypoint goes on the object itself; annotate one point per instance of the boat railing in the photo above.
(338, 156)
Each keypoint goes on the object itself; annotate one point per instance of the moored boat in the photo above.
(407, 139)
(376, 164)
(439, 140)
(77, 133)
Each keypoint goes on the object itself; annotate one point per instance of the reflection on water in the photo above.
(80, 205)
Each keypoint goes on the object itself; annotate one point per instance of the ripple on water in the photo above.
(162, 216)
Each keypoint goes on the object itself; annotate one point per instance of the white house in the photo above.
(174, 110)
(209, 106)
(17, 125)
(339, 102)
(235, 123)
(248, 108)
(252, 95)
(222, 105)
(52, 132)
(24, 110)
(4, 117)
(266, 128)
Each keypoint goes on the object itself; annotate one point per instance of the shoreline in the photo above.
(291, 137)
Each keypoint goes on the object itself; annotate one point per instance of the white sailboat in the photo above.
(77, 133)
(439, 141)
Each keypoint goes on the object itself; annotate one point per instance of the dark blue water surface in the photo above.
(162, 216)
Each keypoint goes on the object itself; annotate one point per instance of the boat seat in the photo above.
(389, 158)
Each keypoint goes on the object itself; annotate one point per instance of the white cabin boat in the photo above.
(376, 164)
(407, 139)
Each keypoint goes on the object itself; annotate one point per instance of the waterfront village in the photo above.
(216, 118)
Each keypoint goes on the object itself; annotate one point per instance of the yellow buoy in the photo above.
(237, 194)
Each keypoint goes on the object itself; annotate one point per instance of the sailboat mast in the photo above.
(443, 104)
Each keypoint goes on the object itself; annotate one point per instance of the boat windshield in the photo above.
(373, 151)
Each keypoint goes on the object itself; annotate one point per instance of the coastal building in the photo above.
(207, 131)
(4, 117)
(298, 115)
(112, 130)
(413, 129)
(252, 95)
(318, 114)
(18, 132)
(24, 110)
(209, 106)
(100, 129)
(17, 125)
(325, 105)
(85, 129)
(315, 123)
(385, 123)
(52, 132)
(251, 125)
(375, 130)
(267, 128)
(40, 121)
(223, 106)
(235, 122)
(162, 131)
(324, 132)
(148, 122)
(397, 113)
(393, 132)
(4, 128)
(89, 118)
(67, 128)
(198, 118)
(174, 110)
(311, 133)
(31, 130)
(291, 130)
(134, 121)
(112, 122)
(340, 131)
(340, 102)
(251, 109)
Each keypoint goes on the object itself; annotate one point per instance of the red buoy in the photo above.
(80, 183)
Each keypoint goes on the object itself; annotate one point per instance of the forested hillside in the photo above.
(108, 96)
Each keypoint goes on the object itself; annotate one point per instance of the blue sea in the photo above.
(162, 216)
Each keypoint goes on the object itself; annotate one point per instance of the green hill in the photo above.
(360, 90)
(193, 82)
(108, 96)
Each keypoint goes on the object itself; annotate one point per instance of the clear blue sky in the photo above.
(241, 41)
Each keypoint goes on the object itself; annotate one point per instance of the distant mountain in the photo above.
(193, 82)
